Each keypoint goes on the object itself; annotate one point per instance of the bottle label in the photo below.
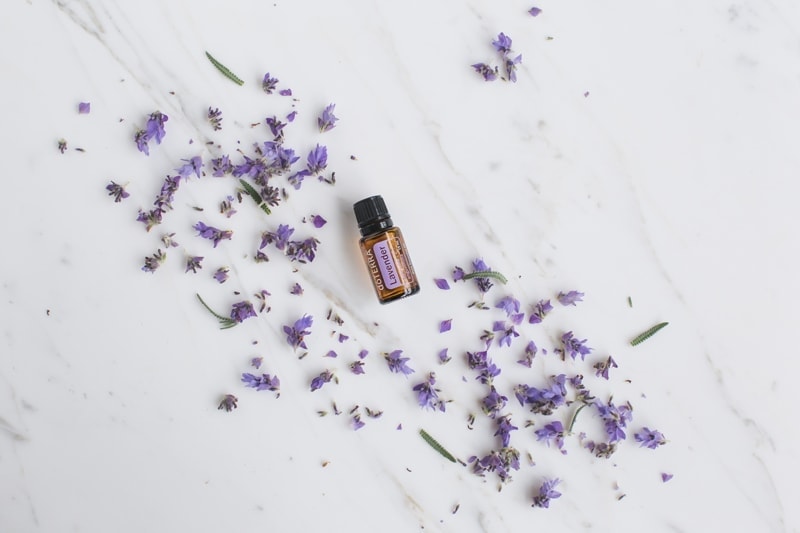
(383, 256)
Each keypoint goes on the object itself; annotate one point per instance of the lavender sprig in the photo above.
(436, 446)
(647, 334)
(225, 70)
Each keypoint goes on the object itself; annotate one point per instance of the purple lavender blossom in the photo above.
(504, 429)
(649, 438)
(530, 353)
(500, 462)
(169, 241)
(458, 273)
(327, 121)
(84, 108)
(296, 289)
(443, 357)
(534, 11)
(285, 92)
(295, 334)
(363, 353)
(228, 403)
(167, 193)
(214, 116)
(502, 44)
(540, 310)
(324, 377)
(296, 179)
(154, 261)
(275, 126)
(193, 263)
(317, 160)
(493, 403)
(302, 251)
(191, 166)
(546, 493)
(280, 237)
(221, 274)
(342, 337)
(256, 362)
(442, 284)
(489, 73)
(665, 477)
(573, 347)
(332, 354)
(570, 298)
(615, 419)
(221, 166)
(155, 126)
(241, 311)
(427, 394)
(484, 284)
(264, 382)
(544, 400)
(554, 431)
(269, 83)
(357, 422)
(509, 304)
(213, 234)
(507, 335)
(357, 367)
(318, 221)
(477, 360)
(226, 206)
(397, 363)
(511, 68)
(117, 191)
(445, 325)
(141, 142)
(291, 116)
(602, 368)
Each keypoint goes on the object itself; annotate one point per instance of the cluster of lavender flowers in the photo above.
(502, 46)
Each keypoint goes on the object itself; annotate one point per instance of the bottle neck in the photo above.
(374, 226)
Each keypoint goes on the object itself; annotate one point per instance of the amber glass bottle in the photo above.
(384, 251)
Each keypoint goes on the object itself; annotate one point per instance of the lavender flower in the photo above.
(445, 325)
(427, 394)
(269, 83)
(168, 240)
(357, 422)
(193, 263)
(154, 129)
(443, 357)
(226, 207)
(509, 304)
(154, 261)
(280, 237)
(554, 431)
(276, 127)
(665, 477)
(324, 377)
(442, 284)
(500, 462)
(397, 363)
(228, 403)
(296, 289)
(357, 367)
(318, 221)
(296, 179)
(489, 73)
(615, 419)
(493, 403)
(507, 335)
(327, 121)
(241, 311)
(215, 118)
(167, 193)
(502, 44)
(477, 360)
(285, 92)
(117, 191)
(511, 67)
(221, 166)
(264, 382)
(332, 354)
(256, 362)
(570, 298)
(62, 145)
(547, 492)
(545, 400)
(504, 429)
(302, 251)
(141, 142)
(540, 310)
(534, 11)
(530, 353)
(213, 234)
(342, 337)
(317, 160)
(295, 334)
(192, 166)
(574, 347)
(84, 108)
(649, 438)
(484, 284)
(362, 354)
(291, 116)
(602, 368)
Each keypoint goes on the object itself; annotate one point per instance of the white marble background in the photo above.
(674, 182)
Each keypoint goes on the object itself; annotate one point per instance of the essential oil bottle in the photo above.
(384, 251)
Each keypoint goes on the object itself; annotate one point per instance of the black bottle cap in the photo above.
(372, 215)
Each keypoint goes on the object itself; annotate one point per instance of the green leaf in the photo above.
(225, 70)
(647, 334)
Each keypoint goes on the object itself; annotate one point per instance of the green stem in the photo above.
(575, 417)
(436, 446)
(647, 334)
(255, 196)
(486, 274)
(224, 321)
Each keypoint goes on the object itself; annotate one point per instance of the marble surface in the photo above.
(646, 151)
